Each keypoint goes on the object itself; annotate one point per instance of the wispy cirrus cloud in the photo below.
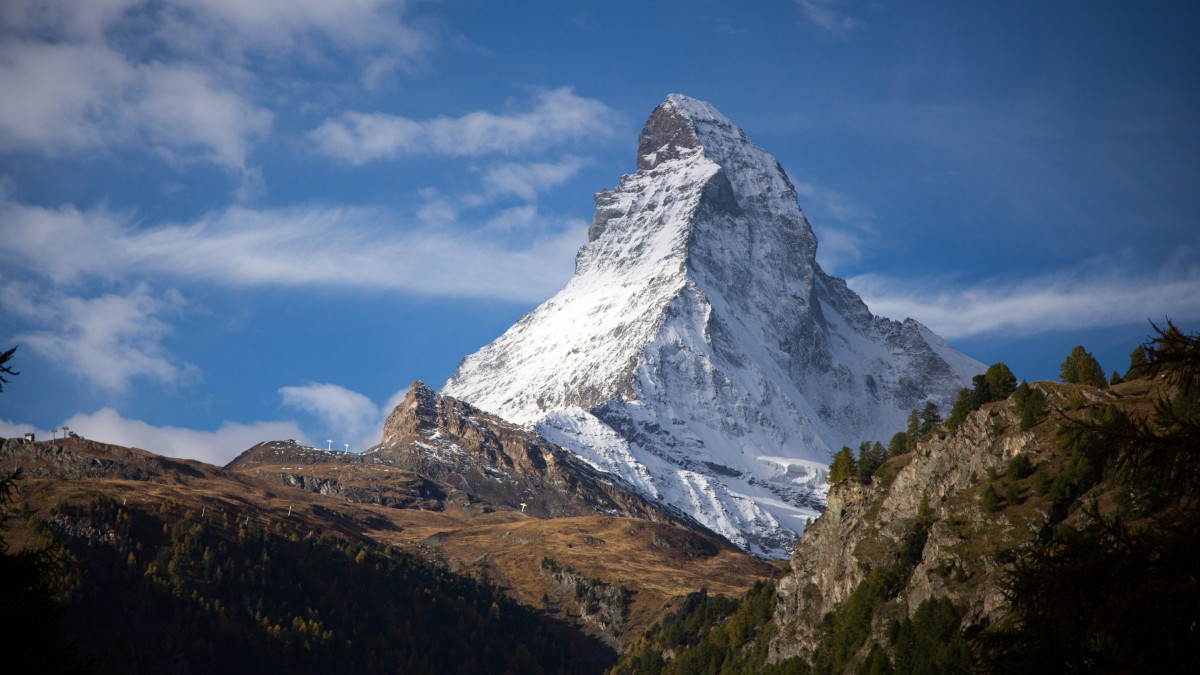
(298, 247)
(822, 15)
(558, 116)
(1085, 298)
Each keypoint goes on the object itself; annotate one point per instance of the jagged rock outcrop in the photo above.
(700, 352)
(499, 463)
(967, 547)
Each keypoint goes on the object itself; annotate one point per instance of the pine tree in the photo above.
(991, 498)
(912, 432)
(980, 392)
(1012, 495)
(1033, 408)
(1137, 363)
(1000, 381)
(870, 457)
(1080, 367)
(963, 405)
(6, 369)
(842, 467)
(930, 418)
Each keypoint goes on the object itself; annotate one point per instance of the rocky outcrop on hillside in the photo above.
(505, 465)
(968, 541)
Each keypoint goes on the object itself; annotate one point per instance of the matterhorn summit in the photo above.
(699, 352)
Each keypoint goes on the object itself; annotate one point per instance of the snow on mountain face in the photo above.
(700, 352)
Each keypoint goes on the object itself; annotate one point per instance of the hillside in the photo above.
(583, 583)
(1058, 540)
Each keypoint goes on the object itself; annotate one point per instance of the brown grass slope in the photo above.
(611, 575)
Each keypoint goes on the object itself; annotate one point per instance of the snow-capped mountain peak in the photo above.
(699, 351)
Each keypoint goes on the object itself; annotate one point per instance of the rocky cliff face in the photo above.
(699, 352)
(499, 463)
(968, 545)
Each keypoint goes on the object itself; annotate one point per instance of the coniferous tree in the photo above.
(898, 445)
(6, 369)
(1080, 367)
(930, 418)
(912, 431)
(991, 498)
(980, 393)
(963, 406)
(870, 457)
(1012, 495)
(842, 466)
(1033, 408)
(1000, 381)
(1137, 363)
(29, 613)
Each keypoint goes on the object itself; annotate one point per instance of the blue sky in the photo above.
(226, 221)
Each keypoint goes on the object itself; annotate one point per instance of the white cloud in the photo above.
(62, 244)
(822, 15)
(215, 447)
(1049, 303)
(345, 416)
(558, 116)
(89, 97)
(108, 340)
(297, 247)
(348, 416)
(514, 218)
(173, 77)
(527, 180)
(186, 114)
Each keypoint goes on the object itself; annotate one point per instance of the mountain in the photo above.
(699, 352)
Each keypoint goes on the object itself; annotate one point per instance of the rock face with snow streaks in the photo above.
(506, 466)
(699, 352)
